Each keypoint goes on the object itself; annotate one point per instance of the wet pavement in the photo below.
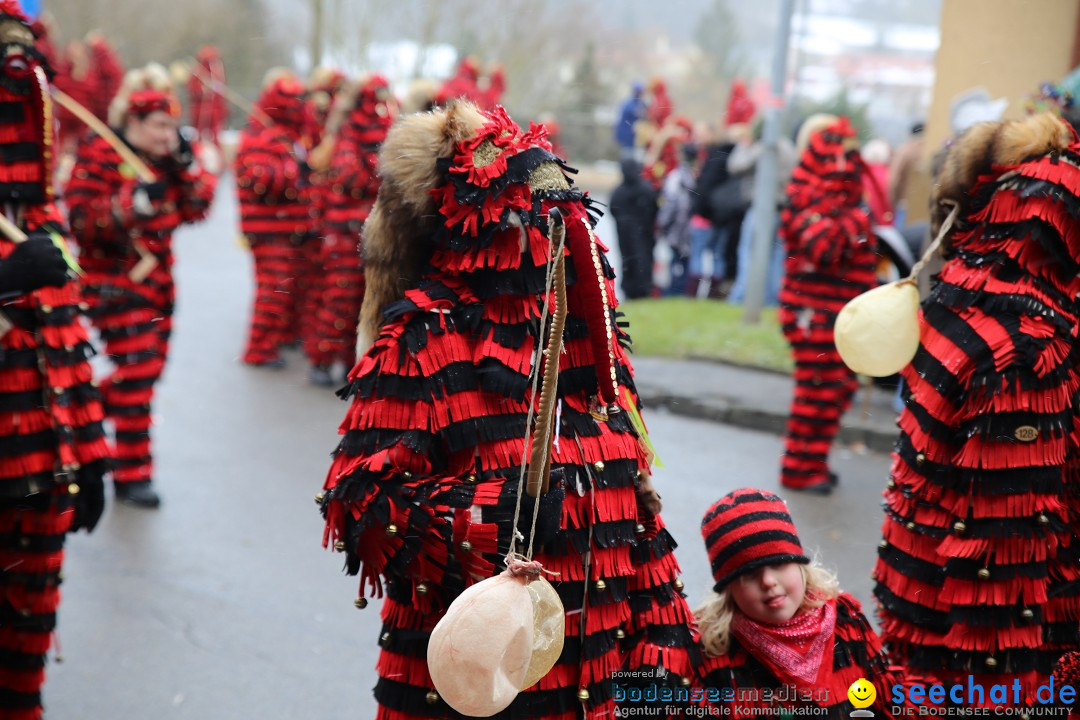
(222, 604)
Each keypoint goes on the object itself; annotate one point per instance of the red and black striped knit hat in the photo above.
(747, 529)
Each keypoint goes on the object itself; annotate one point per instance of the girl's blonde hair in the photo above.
(714, 617)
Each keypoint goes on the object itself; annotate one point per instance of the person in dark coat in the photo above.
(633, 206)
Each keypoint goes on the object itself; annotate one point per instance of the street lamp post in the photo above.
(763, 209)
(316, 33)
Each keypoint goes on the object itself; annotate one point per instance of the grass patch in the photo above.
(685, 327)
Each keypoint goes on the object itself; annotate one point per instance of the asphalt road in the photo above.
(222, 604)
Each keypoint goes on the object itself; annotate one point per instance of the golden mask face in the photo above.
(862, 693)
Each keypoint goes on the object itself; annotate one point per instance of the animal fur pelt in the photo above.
(990, 144)
(397, 234)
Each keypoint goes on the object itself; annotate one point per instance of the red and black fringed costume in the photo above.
(53, 452)
(758, 671)
(207, 110)
(758, 668)
(978, 571)
(422, 490)
(352, 183)
(830, 260)
(275, 216)
(117, 220)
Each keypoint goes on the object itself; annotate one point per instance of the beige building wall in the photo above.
(1008, 47)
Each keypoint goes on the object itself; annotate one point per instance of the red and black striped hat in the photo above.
(747, 529)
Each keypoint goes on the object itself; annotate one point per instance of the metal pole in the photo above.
(316, 33)
(763, 209)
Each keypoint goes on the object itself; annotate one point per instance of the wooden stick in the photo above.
(11, 230)
(71, 105)
(229, 94)
(147, 260)
(540, 462)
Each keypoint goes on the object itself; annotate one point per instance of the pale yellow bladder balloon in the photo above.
(877, 333)
(549, 619)
(480, 652)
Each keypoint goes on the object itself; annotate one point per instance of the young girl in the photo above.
(777, 631)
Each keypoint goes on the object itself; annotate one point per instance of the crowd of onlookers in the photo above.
(682, 211)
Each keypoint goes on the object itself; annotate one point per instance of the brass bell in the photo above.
(620, 634)
(1027, 613)
(583, 695)
(391, 530)
(910, 526)
(432, 697)
(984, 574)
(1042, 519)
(421, 589)
(920, 459)
(339, 545)
(959, 526)
(385, 639)
(601, 586)
(599, 465)
(891, 485)
(360, 603)
(73, 488)
(991, 663)
(678, 585)
(466, 546)
(406, 474)
(639, 529)
(685, 682)
(883, 544)
(319, 498)
(471, 478)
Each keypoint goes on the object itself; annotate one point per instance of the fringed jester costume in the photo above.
(829, 261)
(978, 569)
(758, 666)
(53, 451)
(272, 180)
(124, 226)
(422, 490)
(366, 112)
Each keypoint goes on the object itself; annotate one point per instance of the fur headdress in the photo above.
(282, 98)
(986, 146)
(24, 89)
(139, 84)
(464, 200)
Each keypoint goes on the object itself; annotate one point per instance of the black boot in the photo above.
(139, 494)
(320, 376)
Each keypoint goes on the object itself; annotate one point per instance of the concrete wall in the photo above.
(1008, 47)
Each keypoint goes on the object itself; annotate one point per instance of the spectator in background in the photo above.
(490, 89)
(876, 156)
(633, 206)
(673, 218)
(743, 164)
(660, 105)
(632, 110)
(207, 110)
(554, 133)
(718, 204)
(663, 153)
(904, 163)
(463, 84)
(108, 73)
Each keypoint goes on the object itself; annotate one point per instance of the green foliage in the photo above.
(685, 327)
(840, 104)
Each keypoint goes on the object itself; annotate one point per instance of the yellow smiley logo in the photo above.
(862, 693)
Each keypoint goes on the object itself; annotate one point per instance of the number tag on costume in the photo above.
(1026, 433)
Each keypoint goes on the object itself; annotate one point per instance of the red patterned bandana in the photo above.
(795, 651)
